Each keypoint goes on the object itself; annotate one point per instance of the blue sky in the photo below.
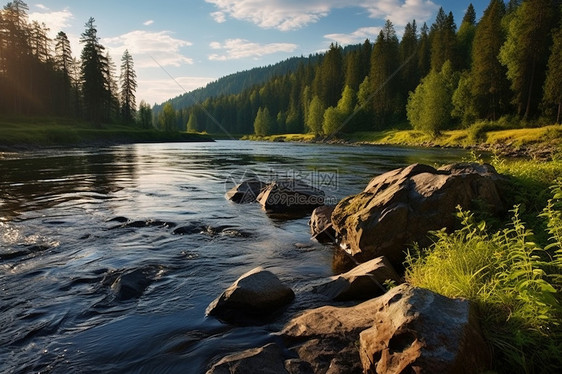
(198, 41)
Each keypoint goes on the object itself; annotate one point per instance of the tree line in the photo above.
(40, 76)
(506, 65)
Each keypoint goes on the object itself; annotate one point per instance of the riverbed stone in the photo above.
(363, 282)
(266, 360)
(321, 224)
(245, 192)
(407, 329)
(254, 297)
(400, 207)
(290, 196)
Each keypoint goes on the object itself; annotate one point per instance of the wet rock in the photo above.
(290, 196)
(406, 330)
(132, 284)
(189, 230)
(265, 360)
(398, 208)
(321, 224)
(254, 297)
(245, 192)
(361, 283)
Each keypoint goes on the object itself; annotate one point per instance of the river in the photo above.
(73, 222)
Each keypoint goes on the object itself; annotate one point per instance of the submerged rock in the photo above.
(406, 330)
(361, 283)
(245, 192)
(290, 196)
(254, 297)
(132, 284)
(265, 360)
(398, 208)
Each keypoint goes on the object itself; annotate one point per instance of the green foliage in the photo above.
(167, 118)
(333, 119)
(505, 274)
(553, 83)
(192, 125)
(315, 118)
(263, 124)
(430, 106)
(463, 101)
(144, 115)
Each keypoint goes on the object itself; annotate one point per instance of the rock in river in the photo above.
(407, 330)
(321, 224)
(398, 208)
(290, 196)
(254, 297)
(245, 192)
(265, 360)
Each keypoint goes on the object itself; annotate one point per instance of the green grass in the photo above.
(512, 273)
(45, 132)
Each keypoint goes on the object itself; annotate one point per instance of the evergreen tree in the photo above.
(490, 88)
(145, 115)
(64, 66)
(263, 123)
(384, 83)
(443, 40)
(430, 106)
(424, 52)
(192, 124)
(525, 53)
(128, 80)
(553, 83)
(315, 116)
(94, 68)
(329, 79)
(465, 37)
(408, 56)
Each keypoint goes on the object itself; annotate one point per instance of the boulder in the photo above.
(254, 297)
(361, 283)
(245, 192)
(267, 360)
(290, 196)
(418, 331)
(406, 330)
(321, 224)
(398, 208)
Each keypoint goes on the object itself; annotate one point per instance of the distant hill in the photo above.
(235, 83)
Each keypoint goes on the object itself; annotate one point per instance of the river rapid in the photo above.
(77, 224)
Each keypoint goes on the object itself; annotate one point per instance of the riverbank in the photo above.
(28, 133)
(536, 143)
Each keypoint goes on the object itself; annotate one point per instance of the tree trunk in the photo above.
(559, 110)
(531, 84)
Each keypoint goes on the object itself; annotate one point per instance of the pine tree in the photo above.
(408, 56)
(192, 124)
(443, 40)
(553, 83)
(315, 116)
(424, 52)
(383, 79)
(145, 115)
(525, 53)
(128, 80)
(94, 68)
(490, 88)
(63, 64)
(465, 37)
(329, 79)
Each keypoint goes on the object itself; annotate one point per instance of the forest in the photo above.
(505, 69)
(40, 76)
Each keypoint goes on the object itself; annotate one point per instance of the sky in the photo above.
(178, 46)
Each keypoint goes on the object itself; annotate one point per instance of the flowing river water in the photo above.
(77, 224)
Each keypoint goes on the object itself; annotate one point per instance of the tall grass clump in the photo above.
(513, 281)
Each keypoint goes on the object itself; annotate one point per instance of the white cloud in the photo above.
(55, 20)
(288, 15)
(148, 23)
(146, 47)
(355, 37)
(240, 48)
(155, 91)
(219, 17)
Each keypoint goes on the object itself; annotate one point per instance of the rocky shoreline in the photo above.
(372, 321)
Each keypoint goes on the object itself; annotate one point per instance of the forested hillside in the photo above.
(34, 81)
(506, 69)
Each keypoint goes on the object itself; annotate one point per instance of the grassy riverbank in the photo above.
(22, 133)
(526, 141)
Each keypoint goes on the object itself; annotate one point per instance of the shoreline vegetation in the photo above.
(23, 133)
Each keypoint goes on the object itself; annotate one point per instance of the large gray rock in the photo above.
(290, 196)
(406, 330)
(398, 208)
(245, 192)
(265, 360)
(255, 296)
(321, 224)
(360, 283)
